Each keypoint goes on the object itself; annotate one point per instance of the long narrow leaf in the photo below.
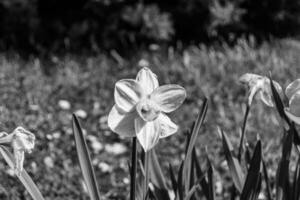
(280, 109)
(296, 182)
(157, 177)
(192, 141)
(173, 179)
(268, 188)
(180, 192)
(139, 187)
(195, 187)
(252, 179)
(23, 177)
(282, 182)
(233, 163)
(257, 188)
(211, 182)
(192, 192)
(247, 155)
(200, 173)
(278, 102)
(85, 161)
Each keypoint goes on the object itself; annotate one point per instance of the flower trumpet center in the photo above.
(147, 110)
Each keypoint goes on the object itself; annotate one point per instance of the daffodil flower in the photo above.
(260, 85)
(21, 141)
(293, 94)
(140, 105)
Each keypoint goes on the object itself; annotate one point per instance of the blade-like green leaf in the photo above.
(139, 187)
(173, 179)
(252, 179)
(280, 108)
(211, 182)
(257, 188)
(180, 190)
(85, 161)
(296, 182)
(282, 180)
(195, 187)
(278, 102)
(192, 192)
(233, 163)
(188, 158)
(157, 177)
(247, 156)
(268, 188)
(200, 173)
(23, 177)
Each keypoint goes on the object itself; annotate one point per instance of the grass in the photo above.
(31, 89)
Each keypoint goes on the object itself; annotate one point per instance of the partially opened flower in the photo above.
(260, 85)
(21, 141)
(140, 105)
(293, 94)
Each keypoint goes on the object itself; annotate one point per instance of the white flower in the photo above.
(21, 141)
(81, 113)
(260, 85)
(140, 106)
(64, 104)
(293, 93)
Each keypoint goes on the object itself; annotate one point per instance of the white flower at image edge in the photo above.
(21, 141)
(260, 85)
(140, 105)
(293, 94)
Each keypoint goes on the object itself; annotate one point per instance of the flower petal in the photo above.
(266, 98)
(292, 88)
(253, 90)
(250, 79)
(5, 138)
(23, 140)
(19, 161)
(127, 93)
(168, 97)
(294, 104)
(166, 125)
(256, 84)
(122, 124)
(292, 117)
(266, 92)
(147, 79)
(147, 133)
(261, 85)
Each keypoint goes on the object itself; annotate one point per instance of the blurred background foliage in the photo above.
(40, 94)
(42, 26)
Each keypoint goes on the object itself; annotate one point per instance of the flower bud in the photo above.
(22, 141)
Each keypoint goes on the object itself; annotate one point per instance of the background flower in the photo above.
(293, 93)
(21, 141)
(260, 85)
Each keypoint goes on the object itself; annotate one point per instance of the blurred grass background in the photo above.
(41, 94)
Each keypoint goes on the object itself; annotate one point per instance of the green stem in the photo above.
(146, 180)
(133, 169)
(243, 133)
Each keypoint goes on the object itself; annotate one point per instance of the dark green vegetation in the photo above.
(42, 26)
(32, 89)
